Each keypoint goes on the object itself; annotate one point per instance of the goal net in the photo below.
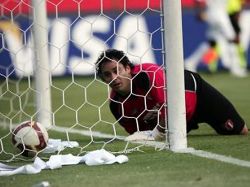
(75, 103)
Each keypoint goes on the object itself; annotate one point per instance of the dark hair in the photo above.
(111, 54)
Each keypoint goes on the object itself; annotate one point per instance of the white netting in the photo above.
(77, 33)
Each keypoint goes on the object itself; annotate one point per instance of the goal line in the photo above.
(162, 145)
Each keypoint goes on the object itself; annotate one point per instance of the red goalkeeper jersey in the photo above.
(148, 94)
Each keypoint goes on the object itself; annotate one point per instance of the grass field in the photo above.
(147, 167)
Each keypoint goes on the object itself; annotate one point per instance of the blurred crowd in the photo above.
(228, 35)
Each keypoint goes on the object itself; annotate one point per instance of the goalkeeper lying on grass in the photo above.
(138, 96)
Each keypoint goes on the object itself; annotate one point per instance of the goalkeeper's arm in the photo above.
(157, 134)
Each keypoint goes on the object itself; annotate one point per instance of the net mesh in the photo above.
(78, 31)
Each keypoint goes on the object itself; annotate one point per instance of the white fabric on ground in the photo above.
(55, 145)
(97, 157)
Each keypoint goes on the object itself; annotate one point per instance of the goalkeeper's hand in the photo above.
(149, 135)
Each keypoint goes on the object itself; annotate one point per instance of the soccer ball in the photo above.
(30, 137)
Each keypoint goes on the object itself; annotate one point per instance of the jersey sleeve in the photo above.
(157, 89)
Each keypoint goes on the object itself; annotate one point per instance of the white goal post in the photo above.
(41, 63)
(174, 62)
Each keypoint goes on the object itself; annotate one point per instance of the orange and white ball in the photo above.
(30, 137)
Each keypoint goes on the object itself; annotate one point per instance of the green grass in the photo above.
(147, 167)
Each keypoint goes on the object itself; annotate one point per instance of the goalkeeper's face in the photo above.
(117, 76)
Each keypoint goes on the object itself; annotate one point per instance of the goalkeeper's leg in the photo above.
(216, 110)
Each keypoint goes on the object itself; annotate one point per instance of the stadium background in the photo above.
(66, 11)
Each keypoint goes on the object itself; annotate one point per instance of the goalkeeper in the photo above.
(137, 99)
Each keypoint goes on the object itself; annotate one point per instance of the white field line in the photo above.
(200, 153)
(221, 158)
